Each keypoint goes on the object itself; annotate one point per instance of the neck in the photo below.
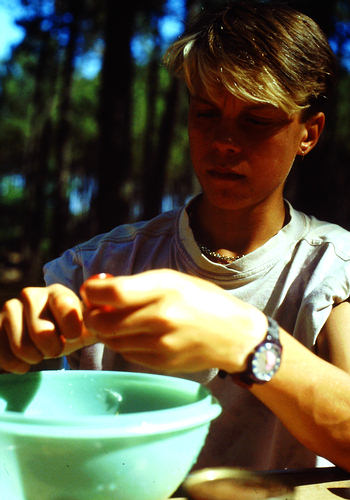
(235, 232)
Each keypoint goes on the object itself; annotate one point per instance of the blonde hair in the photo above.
(260, 52)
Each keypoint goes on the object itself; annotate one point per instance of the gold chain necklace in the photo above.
(204, 249)
(225, 259)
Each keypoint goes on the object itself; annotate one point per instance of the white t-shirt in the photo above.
(296, 277)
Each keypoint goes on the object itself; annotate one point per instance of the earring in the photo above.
(303, 152)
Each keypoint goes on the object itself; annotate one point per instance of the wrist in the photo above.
(264, 362)
(264, 359)
(242, 333)
(254, 333)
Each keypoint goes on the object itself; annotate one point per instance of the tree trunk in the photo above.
(37, 160)
(60, 198)
(112, 203)
(149, 138)
(156, 174)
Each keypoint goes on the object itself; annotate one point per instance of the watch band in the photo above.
(271, 337)
(247, 378)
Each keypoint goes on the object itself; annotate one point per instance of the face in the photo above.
(241, 151)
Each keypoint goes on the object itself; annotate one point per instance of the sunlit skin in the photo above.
(169, 321)
(242, 153)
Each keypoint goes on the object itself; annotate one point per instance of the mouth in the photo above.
(225, 175)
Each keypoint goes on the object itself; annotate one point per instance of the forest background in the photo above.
(93, 129)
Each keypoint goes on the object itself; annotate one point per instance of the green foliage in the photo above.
(83, 125)
(51, 122)
(343, 113)
(11, 188)
(139, 114)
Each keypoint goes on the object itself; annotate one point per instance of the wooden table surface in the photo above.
(324, 491)
(324, 483)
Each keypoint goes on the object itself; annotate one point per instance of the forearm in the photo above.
(312, 398)
(173, 322)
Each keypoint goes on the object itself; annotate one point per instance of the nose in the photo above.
(226, 138)
(227, 144)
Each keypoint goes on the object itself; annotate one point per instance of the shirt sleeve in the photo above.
(67, 270)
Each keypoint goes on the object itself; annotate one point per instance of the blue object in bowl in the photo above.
(94, 435)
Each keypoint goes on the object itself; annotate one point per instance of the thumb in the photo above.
(67, 311)
(125, 291)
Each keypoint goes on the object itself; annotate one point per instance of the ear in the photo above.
(312, 132)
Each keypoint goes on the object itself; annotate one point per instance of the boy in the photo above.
(237, 289)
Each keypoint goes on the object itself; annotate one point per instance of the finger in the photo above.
(66, 309)
(157, 352)
(145, 350)
(152, 361)
(8, 361)
(87, 338)
(40, 322)
(14, 326)
(100, 276)
(159, 359)
(153, 351)
(110, 324)
(139, 342)
(128, 291)
(145, 319)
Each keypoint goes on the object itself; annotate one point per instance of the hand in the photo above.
(43, 323)
(170, 321)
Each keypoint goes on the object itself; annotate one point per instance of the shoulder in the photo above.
(163, 224)
(317, 276)
(119, 251)
(322, 235)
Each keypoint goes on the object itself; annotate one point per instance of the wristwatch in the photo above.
(264, 361)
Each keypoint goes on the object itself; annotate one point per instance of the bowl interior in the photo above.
(76, 396)
(94, 435)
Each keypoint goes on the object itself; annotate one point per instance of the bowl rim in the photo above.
(212, 474)
(146, 423)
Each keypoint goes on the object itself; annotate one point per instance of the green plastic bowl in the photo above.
(97, 435)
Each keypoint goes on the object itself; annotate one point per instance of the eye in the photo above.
(203, 110)
(259, 121)
(206, 113)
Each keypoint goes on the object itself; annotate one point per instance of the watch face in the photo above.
(266, 361)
